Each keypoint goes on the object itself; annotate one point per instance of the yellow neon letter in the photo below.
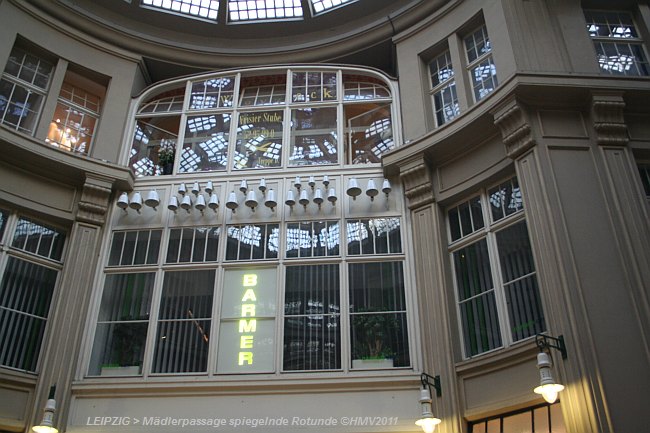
(248, 310)
(250, 280)
(249, 296)
(247, 325)
(246, 342)
(245, 357)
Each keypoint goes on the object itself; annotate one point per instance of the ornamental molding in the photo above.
(607, 113)
(418, 185)
(93, 205)
(515, 127)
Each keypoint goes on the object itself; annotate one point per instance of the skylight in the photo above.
(326, 5)
(207, 9)
(258, 10)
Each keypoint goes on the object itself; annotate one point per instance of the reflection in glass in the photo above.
(505, 199)
(38, 239)
(313, 239)
(313, 136)
(252, 242)
(259, 140)
(212, 93)
(205, 146)
(374, 236)
(313, 87)
(369, 132)
(154, 145)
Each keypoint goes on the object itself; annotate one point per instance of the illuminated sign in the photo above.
(247, 330)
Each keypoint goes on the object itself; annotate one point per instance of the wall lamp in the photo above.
(427, 421)
(47, 424)
(548, 387)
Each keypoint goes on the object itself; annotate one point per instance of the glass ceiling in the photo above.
(245, 10)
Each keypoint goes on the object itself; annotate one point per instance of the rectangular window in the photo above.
(263, 95)
(122, 325)
(540, 419)
(313, 87)
(259, 140)
(443, 89)
(313, 136)
(483, 73)
(252, 242)
(212, 93)
(132, 248)
(644, 172)
(26, 287)
(76, 114)
(374, 236)
(312, 318)
(205, 147)
(192, 245)
(184, 320)
(313, 239)
(619, 47)
(153, 149)
(496, 281)
(23, 87)
(368, 131)
(378, 329)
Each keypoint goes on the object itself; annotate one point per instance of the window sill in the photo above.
(499, 358)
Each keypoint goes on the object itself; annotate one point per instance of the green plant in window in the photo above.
(371, 332)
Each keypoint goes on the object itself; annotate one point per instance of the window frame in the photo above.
(448, 84)
(471, 66)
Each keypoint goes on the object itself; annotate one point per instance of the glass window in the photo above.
(252, 242)
(495, 274)
(25, 294)
(3, 223)
(259, 140)
(192, 245)
(374, 236)
(153, 150)
(132, 248)
(38, 239)
(363, 90)
(23, 86)
(207, 9)
(369, 132)
(313, 239)
(327, 5)
(246, 10)
(540, 419)
(644, 172)
(184, 321)
(122, 325)
(378, 329)
(619, 48)
(481, 67)
(205, 146)
(443, 89)
(212, 93)
(165, 102)
(313, 87)
(312, 335)
(263, 95)
(313, 136)
(76, 114)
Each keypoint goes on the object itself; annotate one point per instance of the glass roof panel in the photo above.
(326, 5)
(207, 9)
(263, 10)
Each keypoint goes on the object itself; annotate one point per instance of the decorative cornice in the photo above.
(515, 128)
(93, 205)
(608, 118)
(418, 186)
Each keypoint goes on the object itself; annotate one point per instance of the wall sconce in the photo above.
(213, 203)
(251, 200)
(123, 201)
(47, 424)
(318, 197)
(200, 203)
(270, 200)
(186, 203)
(232, 202)
(153, 200)
(304, 199)
(136, 202)
(427, 421)
(548, 388)
(331, 196)
(386, 187)
(209, 187)
(371, 190)
(243, 186)
(353, 188)
(173, 204)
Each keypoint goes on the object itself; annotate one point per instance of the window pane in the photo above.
(312, 239)
(212, 93)
(153, 149)
(521, 422)
(313, 136)
(205, 146)
(259, 140)
(25, 295)
(484, 78)
(311, 325)
(505, 199)
(184, 322)
(134, 248)
(3, 223)
(19, 106)
(378, 314)
(197, 244)
(369, 132)
(122, 326)
(38, 239)
(252, 242)
(313, 87)
(374, 236)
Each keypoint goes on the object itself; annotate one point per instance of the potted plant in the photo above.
(126, 354)
(370, 335)
(166, 157)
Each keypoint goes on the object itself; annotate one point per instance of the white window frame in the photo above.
(446, 85)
